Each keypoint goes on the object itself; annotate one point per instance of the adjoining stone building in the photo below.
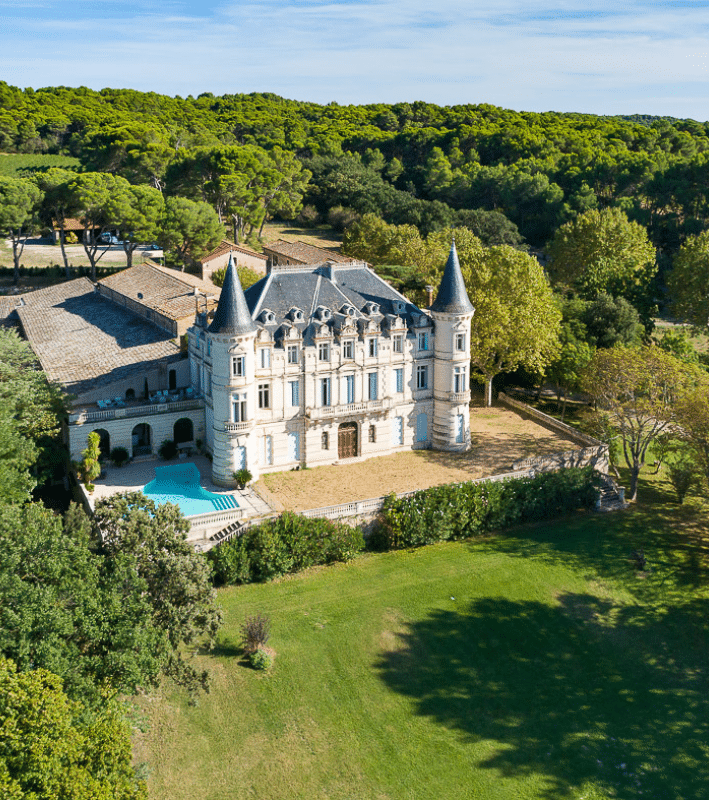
(242, 255)
(283, 253)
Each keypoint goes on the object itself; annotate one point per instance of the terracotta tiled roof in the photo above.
(164, 290)
(305, 253)
(70, 224)
(225, 247)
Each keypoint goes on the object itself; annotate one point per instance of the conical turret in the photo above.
(232, 316)
(452, 297)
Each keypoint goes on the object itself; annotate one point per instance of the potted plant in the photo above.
(119, 456)
(167, 450)
(242, 477)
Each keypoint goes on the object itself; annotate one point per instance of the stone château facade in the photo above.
(317, 364)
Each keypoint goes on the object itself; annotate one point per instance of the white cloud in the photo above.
(636, 57)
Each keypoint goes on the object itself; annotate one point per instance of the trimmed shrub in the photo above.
(119, 456)
(460, 511)
(280, 546)
(167, 450)
(260, 659)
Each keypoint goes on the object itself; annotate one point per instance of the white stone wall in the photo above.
(121, 430)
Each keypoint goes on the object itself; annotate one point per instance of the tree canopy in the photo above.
(516, 321)
(638, 388)
(602, 251)
(688, 282)
(50, 750)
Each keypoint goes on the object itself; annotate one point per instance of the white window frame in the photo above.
(397, 343)
(238, 408)
(325, 392)
(324, 351)
(421, 376)
(459, 380)
(265, 357)
(264, 395)
(460, 342)
(293, 353)
(348, 349)
(238, 366)
(423, 340)
(372, 347)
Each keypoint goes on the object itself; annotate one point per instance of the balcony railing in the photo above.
(137, 410)
(237, 427)
(459, 397)
(365, 407)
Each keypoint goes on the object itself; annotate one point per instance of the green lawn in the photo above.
(20, 164)
(531, 665)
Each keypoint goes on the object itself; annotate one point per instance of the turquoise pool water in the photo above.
(179, 484)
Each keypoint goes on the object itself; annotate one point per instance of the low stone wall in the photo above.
(550, 423)
(364, 512)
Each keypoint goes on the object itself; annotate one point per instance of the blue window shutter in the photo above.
(372, 385)
(422, 428)
(460, 429)
(399, 380)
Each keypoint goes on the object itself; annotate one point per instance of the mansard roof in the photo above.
(452, 297)
(232, 316)
(326, 285)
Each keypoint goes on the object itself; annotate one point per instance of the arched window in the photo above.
(183, 431)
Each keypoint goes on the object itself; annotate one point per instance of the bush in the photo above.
(287, 544)
(167, 450)
(255, 632)
(119, 456)
(341, 217)
(460, 511)
(260, 659)
(308, 217)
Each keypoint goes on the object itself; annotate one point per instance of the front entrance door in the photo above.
(347, 440)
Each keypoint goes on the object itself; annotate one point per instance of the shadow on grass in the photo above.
(674, 538)
(583, 693)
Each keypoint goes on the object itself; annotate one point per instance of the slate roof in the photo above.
(164, 290)
(83, 340)
(226, 247)
(310, 286)
(232, 316)
(304, 253)
(452, 297)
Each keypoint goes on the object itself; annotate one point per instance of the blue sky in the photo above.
(599, 57)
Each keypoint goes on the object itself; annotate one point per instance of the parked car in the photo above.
(109, 238)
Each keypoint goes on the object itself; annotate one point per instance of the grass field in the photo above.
(19, 164)
(536, 664)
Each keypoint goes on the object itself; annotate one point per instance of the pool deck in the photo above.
(134, 476)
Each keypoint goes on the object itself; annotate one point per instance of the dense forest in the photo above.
(410, 163)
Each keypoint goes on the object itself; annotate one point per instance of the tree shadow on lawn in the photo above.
(584, 692)
(675, 540)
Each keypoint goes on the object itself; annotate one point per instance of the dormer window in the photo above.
(296, 314)
(324, 313)
(348, 310)
(372, 308)
(399, 307)
(268, 317)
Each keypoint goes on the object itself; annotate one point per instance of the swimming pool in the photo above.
(179, 484)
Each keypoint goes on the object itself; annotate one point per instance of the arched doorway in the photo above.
(347, 440)
(183, 431)
(142, 440)
(104, 444)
